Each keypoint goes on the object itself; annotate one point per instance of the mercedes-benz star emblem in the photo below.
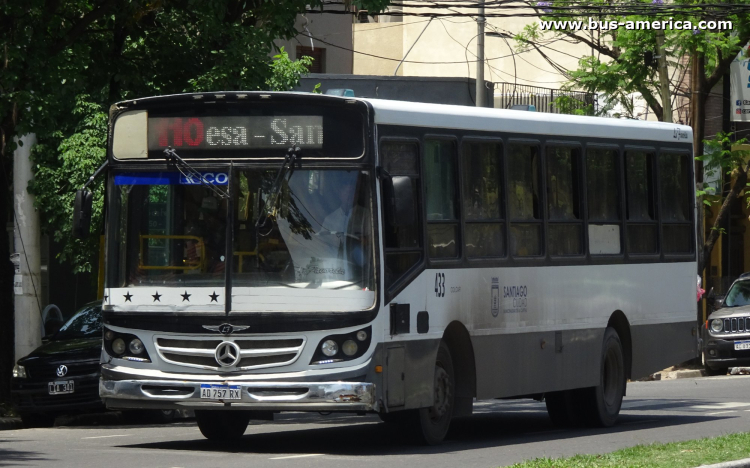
(62, 371)
(227, 354)
(226, 328)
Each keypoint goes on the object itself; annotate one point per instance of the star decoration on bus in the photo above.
(157, 297)
(186, 296)
(214, 297)
(127, 297)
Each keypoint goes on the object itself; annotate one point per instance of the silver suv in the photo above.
(726, 333)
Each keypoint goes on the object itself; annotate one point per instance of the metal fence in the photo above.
(508, 95)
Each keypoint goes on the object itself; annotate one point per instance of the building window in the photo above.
(318, 55)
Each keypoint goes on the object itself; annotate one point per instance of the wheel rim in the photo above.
(443, 393)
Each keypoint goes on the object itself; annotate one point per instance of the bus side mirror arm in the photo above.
(82, 206)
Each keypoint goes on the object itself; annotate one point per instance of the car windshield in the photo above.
(738, 295)
(87, 322)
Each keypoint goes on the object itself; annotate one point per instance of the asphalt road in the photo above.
(500, 433)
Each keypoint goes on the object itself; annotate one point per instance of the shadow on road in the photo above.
(10, 457)
(365, 435)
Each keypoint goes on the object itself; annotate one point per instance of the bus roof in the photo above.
(405, 113)
(418, 114)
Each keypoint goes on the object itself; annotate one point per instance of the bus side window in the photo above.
(565, 226)
(403, 246)
(483, 199)
(524, 200)
(441, 198)
(675, 196)
(642, 230)
(603, 197)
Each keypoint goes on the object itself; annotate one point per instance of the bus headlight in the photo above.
(125, 346)
(118, 346)
(329, 348)
(716, 325)
(19, 372)
(136, 346)
(352, 345)
(349, 348)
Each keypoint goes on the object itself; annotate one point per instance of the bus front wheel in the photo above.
(435, 420)
(222, 425)
(602, 403)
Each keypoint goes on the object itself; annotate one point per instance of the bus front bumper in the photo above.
(265, 396)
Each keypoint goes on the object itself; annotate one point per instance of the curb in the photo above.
(681, 374)
(9, 424)
(744, 463)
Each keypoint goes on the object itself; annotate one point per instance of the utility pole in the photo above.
(480, 91)
(666, 98)
(27, 278)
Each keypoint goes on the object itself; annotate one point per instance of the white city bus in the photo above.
(272, 252)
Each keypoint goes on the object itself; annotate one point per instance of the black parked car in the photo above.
(62, 375)
(726, 334)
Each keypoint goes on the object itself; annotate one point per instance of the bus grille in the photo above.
(256, 353)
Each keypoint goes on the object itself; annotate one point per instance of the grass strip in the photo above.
(686, 454)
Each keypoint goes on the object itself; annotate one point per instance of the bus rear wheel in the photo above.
(601, 404)
(222, 425)
(435, 421)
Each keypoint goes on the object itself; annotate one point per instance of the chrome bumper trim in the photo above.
(281, 396)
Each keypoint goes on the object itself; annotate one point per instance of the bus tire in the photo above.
(561, 408)
(222, 425)
(601, 404)
(434, 422)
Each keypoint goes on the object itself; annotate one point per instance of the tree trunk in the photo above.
(739, 184)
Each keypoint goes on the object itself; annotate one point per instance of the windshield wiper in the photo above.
(287, 168)
(190, 173)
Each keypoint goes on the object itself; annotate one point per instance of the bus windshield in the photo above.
(310, 231)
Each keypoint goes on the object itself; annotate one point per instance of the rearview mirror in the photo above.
(82, 214)
(400, 200)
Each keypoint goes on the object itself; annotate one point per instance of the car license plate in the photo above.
(739, 345)
(60, 387)
(220, 392)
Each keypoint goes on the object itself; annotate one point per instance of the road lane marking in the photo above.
(297, 456)
(104, 437)
(721, 406)
(720, 412)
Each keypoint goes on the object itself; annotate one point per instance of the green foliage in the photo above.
(570, 105)
(689, 453)
(285, 73)
(62, 165)
(616, 65)
(719, 158)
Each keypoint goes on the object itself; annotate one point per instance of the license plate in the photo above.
(220, 392)
(738, 345)
(60, 387)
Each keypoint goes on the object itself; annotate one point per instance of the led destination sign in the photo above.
(235, 133)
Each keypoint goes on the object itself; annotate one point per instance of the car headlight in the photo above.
(19, 372)
(716, 325)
